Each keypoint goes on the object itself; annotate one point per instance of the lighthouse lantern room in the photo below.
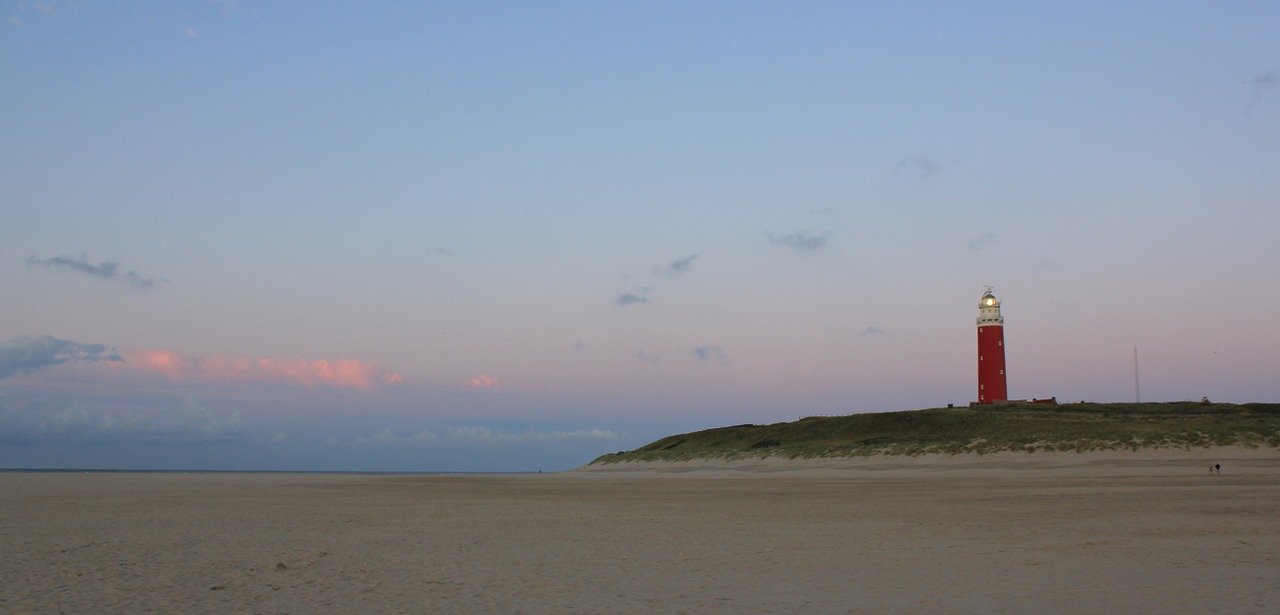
(991, 378)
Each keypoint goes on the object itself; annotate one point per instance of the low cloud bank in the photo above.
(28, 354)
(36, 422)
(473, 435)
(341, 373)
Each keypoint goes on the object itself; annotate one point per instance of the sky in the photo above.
(514, 236)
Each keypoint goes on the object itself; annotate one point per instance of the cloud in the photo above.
(386, 436)
(672, 270)
(25, 354)
(484, 434)
(626, 299)
(482, 382)
(873, 330)
(1262, 86)
(106, 270)
(803, 241)
(711, 353)
(227, 7)
(46, 8)
(193, 420)
(478, 435)
(981, 242)
(677, 267)
(920, 166)
(340, 373)
(36, 422)
(652, 360)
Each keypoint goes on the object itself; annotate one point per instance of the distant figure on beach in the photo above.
(1217, 468)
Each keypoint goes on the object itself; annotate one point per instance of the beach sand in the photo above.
(1093, 533)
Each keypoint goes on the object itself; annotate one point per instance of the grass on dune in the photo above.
(985, 429)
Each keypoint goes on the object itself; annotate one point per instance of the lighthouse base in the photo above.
(1000, 402)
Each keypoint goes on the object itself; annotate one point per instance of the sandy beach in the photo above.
(1097, 533)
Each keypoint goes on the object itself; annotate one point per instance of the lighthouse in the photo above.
(991, 379)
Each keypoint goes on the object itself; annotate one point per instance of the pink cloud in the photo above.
(482, 382)
(341, 373)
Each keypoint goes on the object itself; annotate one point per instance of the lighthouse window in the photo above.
(1000, 343)
(1002, 372)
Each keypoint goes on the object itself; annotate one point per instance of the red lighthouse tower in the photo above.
(991, 380)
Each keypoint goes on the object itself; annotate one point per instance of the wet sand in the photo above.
(1124, 537)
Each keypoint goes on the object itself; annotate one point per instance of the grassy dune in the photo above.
(989, 429)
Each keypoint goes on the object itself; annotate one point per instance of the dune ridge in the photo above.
(995, 429)
(1153, 461)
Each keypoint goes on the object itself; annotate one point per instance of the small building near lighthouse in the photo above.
(992, 385)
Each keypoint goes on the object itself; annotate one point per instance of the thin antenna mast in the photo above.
(1137, 396)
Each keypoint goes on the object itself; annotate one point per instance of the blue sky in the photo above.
(514, 236)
